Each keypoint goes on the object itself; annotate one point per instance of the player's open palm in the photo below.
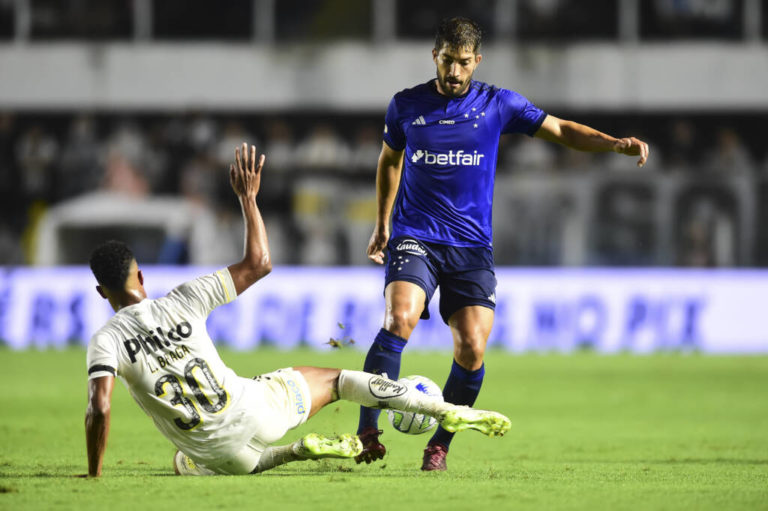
(245, 173)
(632, 146)
(376, 245)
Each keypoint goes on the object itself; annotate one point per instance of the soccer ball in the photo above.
(416, 423)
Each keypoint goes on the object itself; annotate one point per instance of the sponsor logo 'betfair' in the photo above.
(383, 388)
(450, 158)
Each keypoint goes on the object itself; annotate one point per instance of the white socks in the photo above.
(376, 391)
(278, 455)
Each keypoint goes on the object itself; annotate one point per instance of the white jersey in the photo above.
(162, 352)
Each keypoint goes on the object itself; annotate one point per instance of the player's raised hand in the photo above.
(377, 244)
(245, 173)
(632, 146)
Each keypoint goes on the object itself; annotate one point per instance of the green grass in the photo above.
(589, 432)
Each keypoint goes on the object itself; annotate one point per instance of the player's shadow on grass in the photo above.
(703, 461)
(683, 461)
(36, 475)
(309, 469)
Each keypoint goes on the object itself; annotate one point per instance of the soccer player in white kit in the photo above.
(222, 423)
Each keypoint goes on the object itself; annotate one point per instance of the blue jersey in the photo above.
(451, 144)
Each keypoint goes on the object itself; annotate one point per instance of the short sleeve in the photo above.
(205, 293)
(518, 115)
(393, 132)
(101, 357)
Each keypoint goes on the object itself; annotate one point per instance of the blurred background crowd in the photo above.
(699, 202)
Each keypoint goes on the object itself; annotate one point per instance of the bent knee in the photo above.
(472, 352)
(401, 321)
(469, 353)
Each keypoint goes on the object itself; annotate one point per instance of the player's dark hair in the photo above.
(458, 33)
(110, 264)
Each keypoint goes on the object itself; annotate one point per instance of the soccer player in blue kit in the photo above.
(435, 180)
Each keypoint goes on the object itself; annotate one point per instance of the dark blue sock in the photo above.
(461, 388)
(383, 357)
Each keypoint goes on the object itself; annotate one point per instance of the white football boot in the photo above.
(184, 466)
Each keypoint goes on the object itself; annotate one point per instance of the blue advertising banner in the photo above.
(712, 311)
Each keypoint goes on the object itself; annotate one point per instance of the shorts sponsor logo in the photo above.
(299, 400)
(383, 388)
(412, 247)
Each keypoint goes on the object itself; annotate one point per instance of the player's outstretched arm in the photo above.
(387, 180)
(245, 178)
(583, 138)
(97, 418)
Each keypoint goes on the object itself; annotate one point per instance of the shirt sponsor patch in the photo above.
(452, 158)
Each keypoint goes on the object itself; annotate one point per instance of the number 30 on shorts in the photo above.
(179, 398)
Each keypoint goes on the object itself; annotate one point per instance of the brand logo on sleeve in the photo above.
(452, 158)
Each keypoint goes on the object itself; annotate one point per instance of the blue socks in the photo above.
(383, 357)
(461, 388)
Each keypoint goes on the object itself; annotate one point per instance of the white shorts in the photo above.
(281, 402)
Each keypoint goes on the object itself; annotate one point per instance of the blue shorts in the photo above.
(465, 274)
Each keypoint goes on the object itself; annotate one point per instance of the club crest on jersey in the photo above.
(383, 388)
(412, 247)
(452, 157)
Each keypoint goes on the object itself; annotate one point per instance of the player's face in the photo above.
(455, 68)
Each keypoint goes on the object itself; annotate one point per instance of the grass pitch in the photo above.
(589, 432)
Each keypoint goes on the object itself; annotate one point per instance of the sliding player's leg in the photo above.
(305, 390)
(379, 392)
(298, 393)
(313, 446)
(310, 447)
(327, 385)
